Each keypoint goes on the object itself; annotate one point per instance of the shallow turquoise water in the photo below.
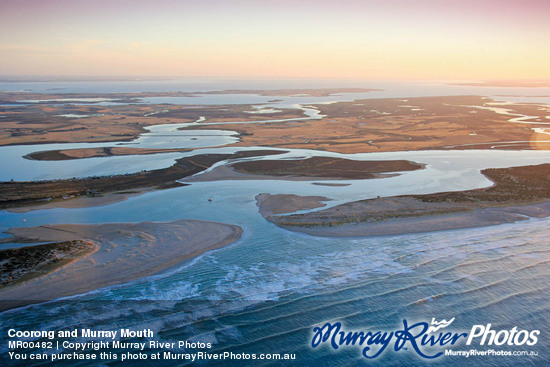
(266, 292)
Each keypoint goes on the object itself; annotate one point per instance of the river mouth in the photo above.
(284, 282)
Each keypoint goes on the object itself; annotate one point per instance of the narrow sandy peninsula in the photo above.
(518, 193)
(103, 255)
(90, 191)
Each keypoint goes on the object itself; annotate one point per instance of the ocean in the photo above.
(268, 291)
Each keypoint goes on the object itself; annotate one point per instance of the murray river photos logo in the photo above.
(427, 340)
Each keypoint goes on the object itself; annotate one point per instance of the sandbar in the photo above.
(287, 203)
(426, 223)
(82, 201)
(127, 251)
(26, 193)
(517, 194)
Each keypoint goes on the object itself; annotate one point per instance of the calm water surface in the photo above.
(266, 292)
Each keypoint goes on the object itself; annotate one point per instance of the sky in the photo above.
(368, 39)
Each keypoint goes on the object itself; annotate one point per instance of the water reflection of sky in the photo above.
(267, 291)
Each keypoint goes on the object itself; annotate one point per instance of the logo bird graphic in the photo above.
(439, 325)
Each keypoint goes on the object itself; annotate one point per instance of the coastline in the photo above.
(82, 201)
(286, 203)
(222, 173)
(433, 223)
(35, 193)
(517, 194)
(309, 169)
(126, 252)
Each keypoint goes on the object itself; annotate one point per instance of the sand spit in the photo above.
(426, 223)
(127, 251)
(67, 154)
(517, 194)
(285, 203)
(419, 218)
(83, 201)
(27, 193)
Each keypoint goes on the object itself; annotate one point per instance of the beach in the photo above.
(274, 183)
(15, 194)
(126, 252)
(422, 223)
(517, 193)
(339, 207)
